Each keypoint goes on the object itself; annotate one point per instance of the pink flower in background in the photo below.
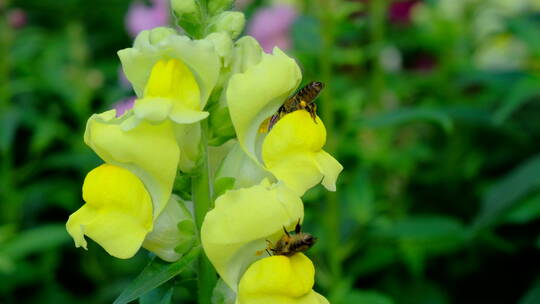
(400, 12)
(271, 26)
(16, 18)
(142, 17)
(123, 105)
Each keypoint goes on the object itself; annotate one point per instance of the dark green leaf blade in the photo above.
(508, 191)
(533, 295)
(154, 274)
(406, 115)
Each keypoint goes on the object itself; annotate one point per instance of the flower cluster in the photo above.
(215, 90)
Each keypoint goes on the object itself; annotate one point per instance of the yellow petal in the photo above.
(292, 151)
(257, 93)
(171, 92)
(234, 233)
(149, 151)
(117, 214)
(279, 279)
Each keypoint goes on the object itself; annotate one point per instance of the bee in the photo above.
(303, 99)
(289, 244)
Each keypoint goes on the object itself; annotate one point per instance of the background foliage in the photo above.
(431, 106)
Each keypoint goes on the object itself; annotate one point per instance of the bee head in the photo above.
(308, 239)
(317, 85)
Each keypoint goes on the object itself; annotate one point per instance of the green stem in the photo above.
(202, 200)
(333, 211)
(6, 38)
(377, 22)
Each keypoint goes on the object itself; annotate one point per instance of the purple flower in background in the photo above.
(123, 105)
(142, 17)
(271, 26)
(400, 12)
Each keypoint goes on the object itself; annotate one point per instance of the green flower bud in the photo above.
(217, 6)
(189, 16)
(182, 7)
(230, 22)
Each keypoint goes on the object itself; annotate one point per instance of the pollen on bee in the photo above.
(303, 104)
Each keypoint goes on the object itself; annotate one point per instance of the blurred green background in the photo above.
(431, 106)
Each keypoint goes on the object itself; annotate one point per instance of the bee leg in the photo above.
(272, 121)
(269, 247)
(312, 109)
(298, 227)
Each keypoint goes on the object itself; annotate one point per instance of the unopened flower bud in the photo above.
(230, 22)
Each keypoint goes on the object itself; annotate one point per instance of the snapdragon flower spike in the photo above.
(142, 160)
(279, 279)
(292, 150)
(234, 234)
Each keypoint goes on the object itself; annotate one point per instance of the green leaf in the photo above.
(161, 295)
(508, 191)
(525, 211)
(421, 236)
(533, 294)
(8, 125)
(306, 35)
(426, 228)
(367, 297)
(35, 240)
(519, 94)
(154, 274)
(407, 115)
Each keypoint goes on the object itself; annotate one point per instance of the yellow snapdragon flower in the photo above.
(292, 150)
(172, 75)
(234, 234)
(126, 196)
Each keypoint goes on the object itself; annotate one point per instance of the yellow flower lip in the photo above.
(170, 78)
(279, 279)
(171, 92)
(293, 152)
(117, 214)
(279, 275)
